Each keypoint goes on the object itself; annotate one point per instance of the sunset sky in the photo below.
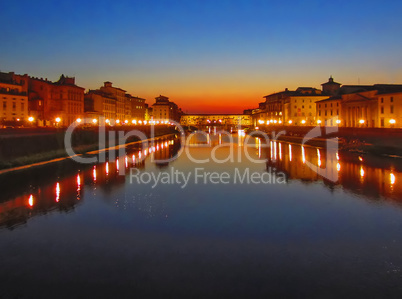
(207, 56)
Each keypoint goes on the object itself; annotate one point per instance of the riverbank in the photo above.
(19, 152)
(375, 141)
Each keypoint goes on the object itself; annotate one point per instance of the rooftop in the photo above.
(331, 81)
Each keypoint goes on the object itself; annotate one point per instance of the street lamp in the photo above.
(58, 119)
(303, 121)
(79, 120)
(94, 120)
(392, 121)
(30, 119)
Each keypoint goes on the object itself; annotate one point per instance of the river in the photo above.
(241, 219)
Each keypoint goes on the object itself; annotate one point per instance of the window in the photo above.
(325, 105)
(325, 112)
(382, 109)
(15, 106)
(337, 104)
(4, 105)
(382, 122)
(319, 105)
(22, 107)
(331, 104)
(319, 113)
(392, 109)
(392, 99)
(303, 107)
(382, 100)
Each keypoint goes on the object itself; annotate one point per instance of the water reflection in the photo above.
(368, 176)
(373, 177)
(45, 198)
(61, 186)
(41, 193)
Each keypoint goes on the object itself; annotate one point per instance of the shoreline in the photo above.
(363, 141)
(356, 146)
(91, 152)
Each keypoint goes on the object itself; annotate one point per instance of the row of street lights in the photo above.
(108, 121)
(338, 121)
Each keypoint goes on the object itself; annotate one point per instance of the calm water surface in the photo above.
(70, 230)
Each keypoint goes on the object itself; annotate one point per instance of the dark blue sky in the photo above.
(203, 52)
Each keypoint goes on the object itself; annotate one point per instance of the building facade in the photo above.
(137, 108)
(376, 106)
(115, 105)
(300, 108)
(55, 103)
(122, 107)
(329, 111)
(289, 107)
(13, 101)
(369, 106)
(164, 110)
(100, 103)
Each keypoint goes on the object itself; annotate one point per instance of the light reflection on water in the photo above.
(310, 235)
